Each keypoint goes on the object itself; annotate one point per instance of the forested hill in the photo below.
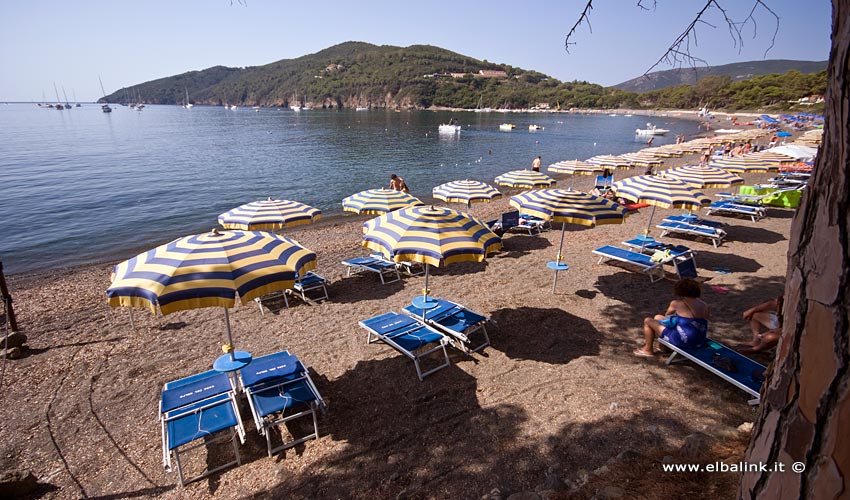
(736, 71)
(355, 74)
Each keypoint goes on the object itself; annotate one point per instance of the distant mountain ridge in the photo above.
(736, 71)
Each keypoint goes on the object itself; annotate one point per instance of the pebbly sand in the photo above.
(557, 394)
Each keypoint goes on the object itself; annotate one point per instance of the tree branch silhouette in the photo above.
(680, 51)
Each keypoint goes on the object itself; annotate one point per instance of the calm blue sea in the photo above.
(84, 186)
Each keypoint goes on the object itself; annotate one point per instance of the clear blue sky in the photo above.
(71, 43)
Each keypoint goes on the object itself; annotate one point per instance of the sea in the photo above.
(81, 186)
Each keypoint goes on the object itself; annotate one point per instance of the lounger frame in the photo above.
(311, 282)
(712, 233)
(445, 315)
(755, 400)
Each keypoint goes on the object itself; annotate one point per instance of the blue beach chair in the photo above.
(407, 336)
(747, 375)
(725, 207)
(456, 321)
(194, 408)
(311, 282)
(635, 259)
(386, 270)
(279, 389)
(714, 234)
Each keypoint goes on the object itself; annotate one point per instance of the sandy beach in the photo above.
(556, 396)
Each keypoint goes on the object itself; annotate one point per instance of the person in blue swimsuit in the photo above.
(685, 323)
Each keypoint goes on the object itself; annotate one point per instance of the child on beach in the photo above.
(684, 324)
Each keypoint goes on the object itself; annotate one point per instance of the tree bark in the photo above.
(805, 412)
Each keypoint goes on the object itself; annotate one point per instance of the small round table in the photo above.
(227, 363)
(424, 302)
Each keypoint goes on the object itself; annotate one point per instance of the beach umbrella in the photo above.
(213, 269)
(466, 191)
(525, 179)
(575, 167)
(568, 207)
(269, 214)
(642, 159)
(772, 156)
(610, 161)
(702, 177)
(661, 192)
(378, 201)
(742, 165)
(433, 236)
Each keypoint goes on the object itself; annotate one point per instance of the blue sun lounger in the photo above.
(279, 389)
(754, 212)
(385, 269)
(407, 336)
(747, 376)
(653, 246)
(715, 234)
(695, 220)
(683, 262)
(193, 408)
(456, 321)
(311, 282)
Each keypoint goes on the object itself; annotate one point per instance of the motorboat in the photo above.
(533, 127)
(105, 108)
(449, 128)
(507, 127)
(651, 130)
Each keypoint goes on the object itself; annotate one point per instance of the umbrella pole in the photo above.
(132, 322)
(425, 293)
(229, 337)
(559, 258)
(646, 231)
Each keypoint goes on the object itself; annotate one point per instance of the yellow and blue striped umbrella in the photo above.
(269, 214)
(575, 167)
(642, 159)
(378, 201)
(434, 236)
(661, 192)
(743, 165)
(466, 191)
(610, 161)
(525, 179)
(772, 157)
(573, 207)
(208, 270)
(702, 177)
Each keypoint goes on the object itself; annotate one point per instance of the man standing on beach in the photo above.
(535, 165)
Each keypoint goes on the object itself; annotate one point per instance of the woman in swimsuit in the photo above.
(685, 323)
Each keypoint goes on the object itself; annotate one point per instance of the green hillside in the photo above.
(360, 74)
(735, 71)
(355, 74)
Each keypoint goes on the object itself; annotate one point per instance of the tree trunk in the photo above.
(805, 412)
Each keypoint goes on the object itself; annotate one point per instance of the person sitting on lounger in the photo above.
(685, 323)
(766, 324)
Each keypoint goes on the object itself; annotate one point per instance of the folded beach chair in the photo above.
(407, 336)
(385, 269)
(754, 212)
(505, 222)
(738, 370)
(193, 408)
(279, 390)
(456, 321)
(311, 282)
(715, 234)
(603, 183)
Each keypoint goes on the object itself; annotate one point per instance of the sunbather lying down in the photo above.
(766, 324)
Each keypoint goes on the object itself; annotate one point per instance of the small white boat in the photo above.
(651, 130)
(533, 127)
(361, 108)
(447, 128)
(507, 127)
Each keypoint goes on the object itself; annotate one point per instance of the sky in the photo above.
(68, 43)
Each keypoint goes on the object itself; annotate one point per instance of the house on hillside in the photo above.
(491, 73)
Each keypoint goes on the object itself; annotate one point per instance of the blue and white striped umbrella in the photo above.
(269, 214)
(525, 179)
(378, 201)
(466, 191)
